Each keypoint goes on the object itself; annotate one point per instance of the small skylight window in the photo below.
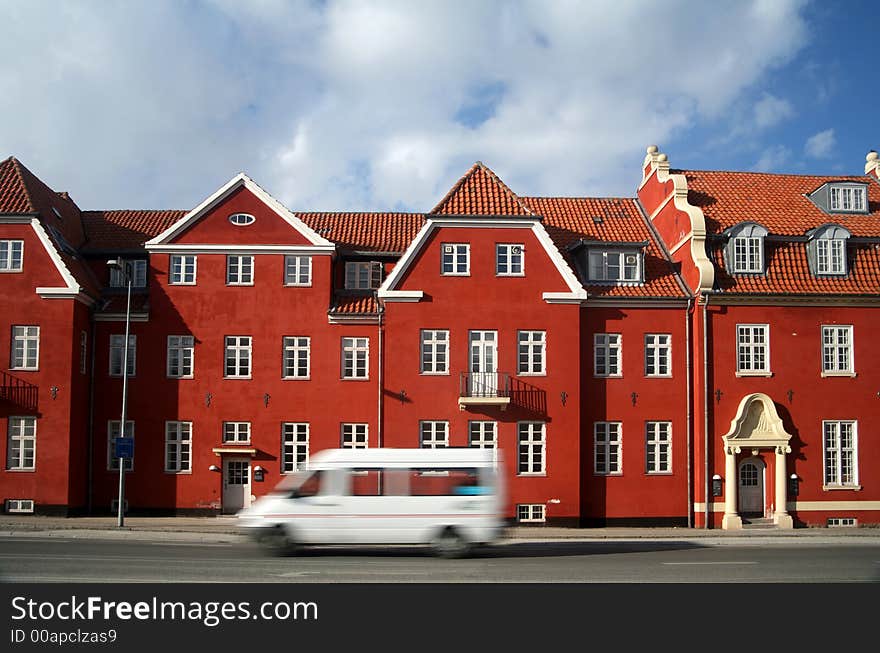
(242, 219)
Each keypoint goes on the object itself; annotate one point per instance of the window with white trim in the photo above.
(21, 444)
(182, 270)
(532, 448)
(619, 265)
(242, 219)
(434, 351)
(363, 275)
(237, 357)
(530, 513)
(657, 354)
(112, 434)
(239, 270)
(236, 432)
(607, 354)
(837, 349)
(830, 256)
(433, 434)
(355, 358)
(607, 448)
(748, 254)
(25, 348)
(297, 270)
(11, 255)
(296, 357)
(531, 352)
(455, 259)
(179, 358)
(294, 446)
(83, 351)
(137, 268)
(117, 354)
(847, 198)
(355, 436)
(658, 447)
(753, 348)
(483, 434)
(178, 447)
(841, 453)
(510, 260)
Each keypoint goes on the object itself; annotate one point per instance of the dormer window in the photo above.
(363, 275)
(745, 249)
(615, 265)
(826, 250)
(847, 198)
(138, 270)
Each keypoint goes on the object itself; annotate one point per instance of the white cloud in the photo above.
(820, 145)
(772, 159)
(373, 105)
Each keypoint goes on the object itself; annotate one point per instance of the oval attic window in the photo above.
(242, 219)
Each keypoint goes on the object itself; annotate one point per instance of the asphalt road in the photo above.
(68, 560)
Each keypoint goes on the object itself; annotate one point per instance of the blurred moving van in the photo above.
(448, 498)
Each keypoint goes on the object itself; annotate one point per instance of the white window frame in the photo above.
(831, 256)
(748, 350)
(531, 353)
(297, 270)
(608, 441)
(531, 513)
(239, 270)
(531, 448)
(183, 276)
(11, 255)
(434, 352)
(483, 434)
(241, 219)
(658, 354)
(658, 434)
(241, 349)
(178, 446)
(83, 352)
(608, 353)
(355, 358)
(296, 350)
(433, 434)
(138, 271)
(236, 433)
(840, 464)
(451, 264)
(183, 348)
(748, 254)
(846, 198)
(112, 433)
(21, 440)
(834, 350)
(25, 350)
(363, 275)
(510, 260)
(117, 354)
(601, 263)
(294, 446)
(355, 435)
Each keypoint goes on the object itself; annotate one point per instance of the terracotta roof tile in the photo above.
(347, 303)
(125, 229)
(481, 192)
(372, 232)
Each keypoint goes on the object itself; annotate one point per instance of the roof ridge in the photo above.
(768, 174)
(479, 165)
(17, 168)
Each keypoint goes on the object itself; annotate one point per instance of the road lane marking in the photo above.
(710, 563)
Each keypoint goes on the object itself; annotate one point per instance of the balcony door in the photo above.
(483, 364)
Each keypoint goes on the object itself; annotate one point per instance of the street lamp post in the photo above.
(122, 266)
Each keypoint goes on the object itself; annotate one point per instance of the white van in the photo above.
(449, 498)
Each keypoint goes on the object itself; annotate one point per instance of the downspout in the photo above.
(689, 401)
(381, 337)
(706, 408)
(91, 426)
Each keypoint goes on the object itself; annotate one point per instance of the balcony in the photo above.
(484, 389)
(18, 392)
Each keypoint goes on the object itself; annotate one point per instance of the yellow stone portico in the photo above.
(756, 426)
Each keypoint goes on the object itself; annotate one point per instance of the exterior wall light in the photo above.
(716, 486)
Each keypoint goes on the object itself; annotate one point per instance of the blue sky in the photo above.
(383, 105)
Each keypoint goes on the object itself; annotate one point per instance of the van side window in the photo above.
(366, 483)
(311, 486)
(452, 482)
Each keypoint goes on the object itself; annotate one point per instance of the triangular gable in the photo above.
(481, 192)
(239, 184)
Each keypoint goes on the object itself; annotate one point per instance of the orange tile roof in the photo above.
(125, 229)
(373, 232)
(347, 303)
(612, 220)
(481, 192)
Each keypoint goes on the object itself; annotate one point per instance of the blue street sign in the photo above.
(124, 447)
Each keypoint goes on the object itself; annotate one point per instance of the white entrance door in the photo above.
(236, 484)
(751, 487)
(484, 363)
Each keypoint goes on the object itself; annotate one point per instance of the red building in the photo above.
(615, 351)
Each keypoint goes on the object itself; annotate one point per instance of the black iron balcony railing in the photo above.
(19, 392)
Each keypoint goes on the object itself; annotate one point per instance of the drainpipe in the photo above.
(687, 326)
(91, 426)
(706, 407)
(381, 338)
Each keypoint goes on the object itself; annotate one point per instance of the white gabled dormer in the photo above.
(841, 197)
(826, 250)
(744, 251)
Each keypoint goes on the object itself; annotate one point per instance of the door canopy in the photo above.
(757, 425)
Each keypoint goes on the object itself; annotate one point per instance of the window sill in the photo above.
(187, 472)
(531, 373)
(520, 275)
(832, 488)
(22, 469)
(297, 285)
(850, 375)
(658, 376)
(607, 376)
(178, 378)
(745, 374)
(455, 274)
(532, 474)
(181, 283)
(354, 378)
(658, 473)
(239, 285)
(11, 271)
(30, 369)
(433, 373)
(607, 473)
(296, 378)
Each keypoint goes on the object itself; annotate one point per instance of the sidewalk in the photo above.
(226, 529)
